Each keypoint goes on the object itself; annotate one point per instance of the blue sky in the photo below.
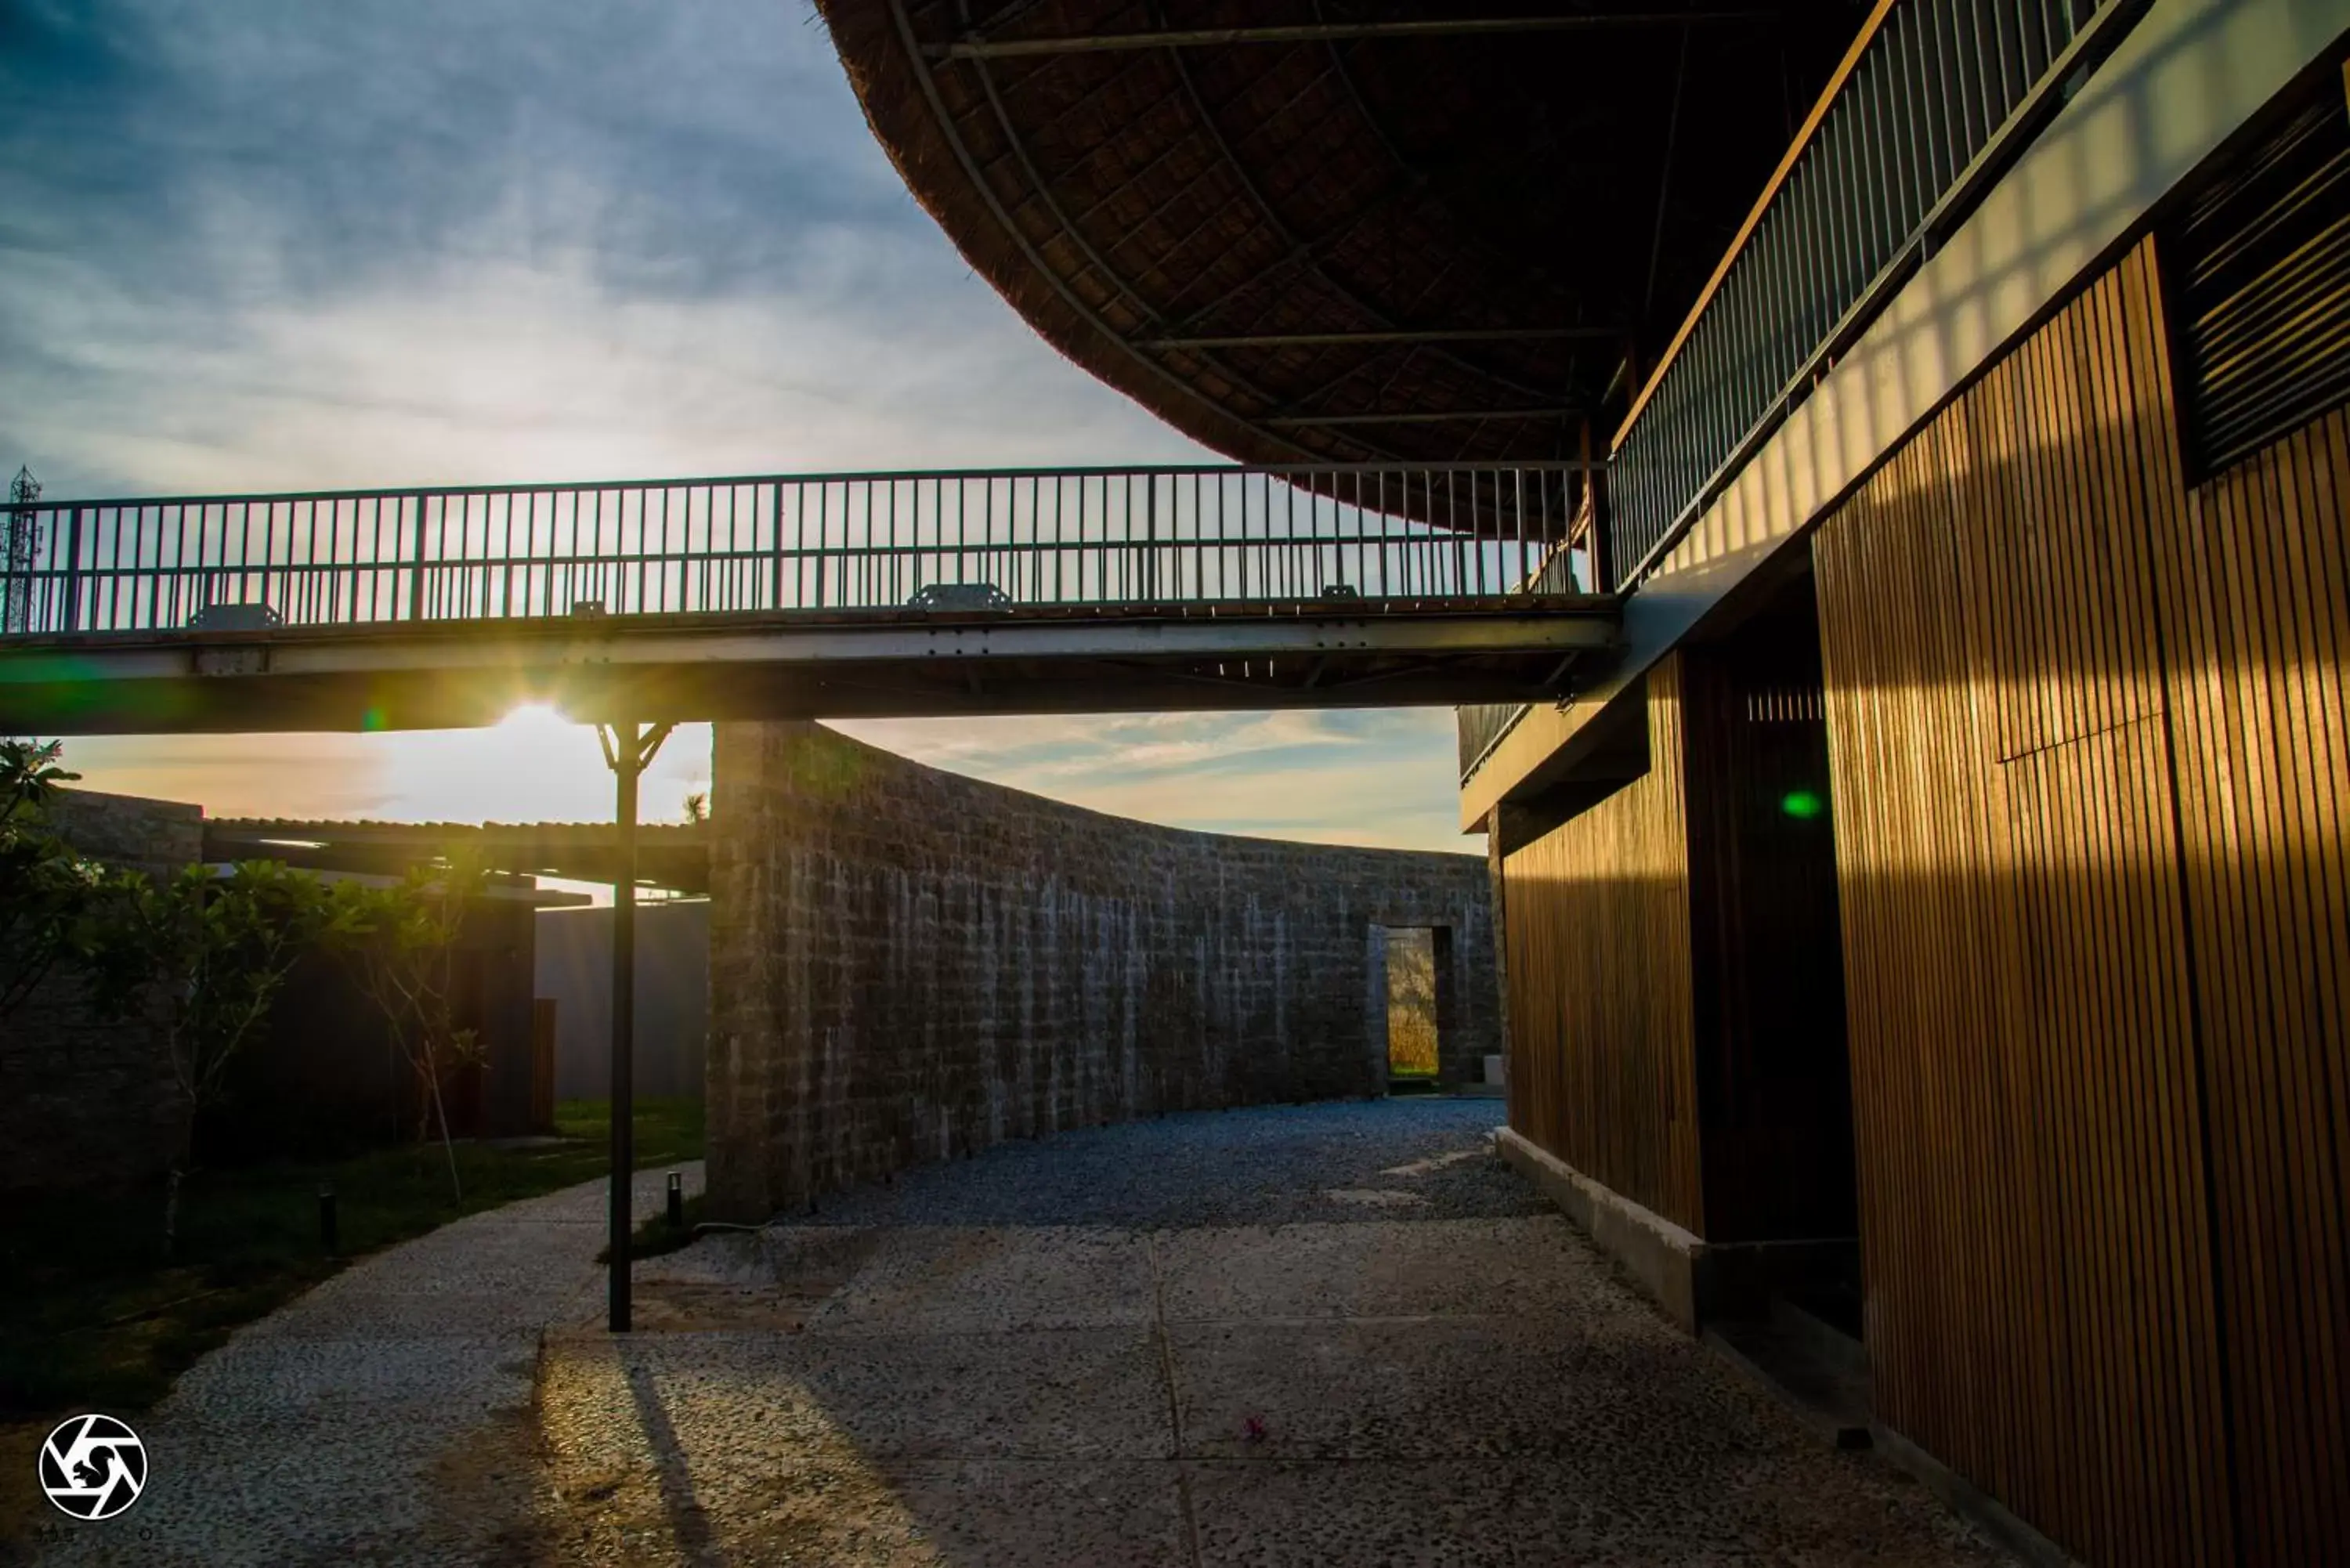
(282, 244)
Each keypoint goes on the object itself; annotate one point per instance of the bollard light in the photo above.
(327, 1240)
(676, 1201)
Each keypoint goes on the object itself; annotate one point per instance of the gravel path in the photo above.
(1268, 1166)
(377, 1418)
(1331, 1334)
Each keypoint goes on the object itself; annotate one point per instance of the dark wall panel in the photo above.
(1773, 1084)
(1596, 925)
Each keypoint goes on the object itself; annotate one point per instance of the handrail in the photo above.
(1933, 105)
(1483, 727)
(1795, 151)
(988, 540)
(826, 476)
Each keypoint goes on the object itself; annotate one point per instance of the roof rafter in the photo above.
(982, 49)
(1382, 336)
(1293, 421)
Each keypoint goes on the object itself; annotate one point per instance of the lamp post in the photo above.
(627, 751)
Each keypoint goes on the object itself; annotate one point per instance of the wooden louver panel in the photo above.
(2091, 780)
(1597, 923)
(2262, 262)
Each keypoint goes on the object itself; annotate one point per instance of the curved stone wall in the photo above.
(908, 965)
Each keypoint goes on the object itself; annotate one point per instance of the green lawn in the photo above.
(94, 1319)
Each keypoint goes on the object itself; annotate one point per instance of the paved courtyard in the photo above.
(1336, 1334)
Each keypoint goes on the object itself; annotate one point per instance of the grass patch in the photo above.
(96, 1320)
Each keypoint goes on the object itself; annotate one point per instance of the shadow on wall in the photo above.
(326, 1078)
(575, 971)
(907, 965)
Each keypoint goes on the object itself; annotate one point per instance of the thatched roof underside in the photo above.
(1443, 248)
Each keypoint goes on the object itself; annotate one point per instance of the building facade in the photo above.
(1977, 892)
(1932, 920)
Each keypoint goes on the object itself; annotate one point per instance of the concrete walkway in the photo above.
(1330, 1335)
(384, 1417)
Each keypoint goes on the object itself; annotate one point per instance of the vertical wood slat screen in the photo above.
(2259, 625)
(2088, 735)
(1596, 919)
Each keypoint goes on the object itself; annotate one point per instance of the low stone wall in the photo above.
(907, 965)
(85, 1102)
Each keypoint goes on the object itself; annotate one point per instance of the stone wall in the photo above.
(907, 965)
(85, 1102)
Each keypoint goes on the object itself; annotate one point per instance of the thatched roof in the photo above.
(1549, 199)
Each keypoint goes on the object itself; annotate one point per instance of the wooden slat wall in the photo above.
(2259, 621)
(1601, 1036)
(2089, 760)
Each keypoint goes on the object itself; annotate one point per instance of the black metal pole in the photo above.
(627, 761)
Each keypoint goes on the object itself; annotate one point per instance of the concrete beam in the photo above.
(1321, 653)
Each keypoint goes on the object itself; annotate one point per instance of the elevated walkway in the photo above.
(793, 597)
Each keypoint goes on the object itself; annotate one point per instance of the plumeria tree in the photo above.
(402, 944)
(30, 772)
(211, 950)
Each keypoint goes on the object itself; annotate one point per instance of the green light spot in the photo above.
(372, 721)
(1802, 804)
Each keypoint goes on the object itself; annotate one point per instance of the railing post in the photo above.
(416, 572)
(822, 540)
(72, 617)
(776, 520)
(1595, 527)
(1602, 553)
(1150, 538)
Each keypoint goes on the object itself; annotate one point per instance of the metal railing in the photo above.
(1483, 726)
(1575, 565)
(1934, 105)
(995, 540)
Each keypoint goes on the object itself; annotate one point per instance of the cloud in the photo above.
(284, 244)
(287, 244)
(532, 768)
(1381, 777)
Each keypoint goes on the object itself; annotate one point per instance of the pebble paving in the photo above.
(1328, 1335)
(381, 1417)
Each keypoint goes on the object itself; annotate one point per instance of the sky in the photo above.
(283, 244)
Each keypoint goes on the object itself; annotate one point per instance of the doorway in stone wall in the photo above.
(1411, 955)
